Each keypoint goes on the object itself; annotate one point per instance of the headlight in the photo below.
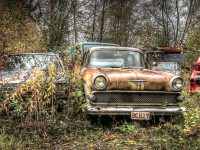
(177, 83)
(100, 82)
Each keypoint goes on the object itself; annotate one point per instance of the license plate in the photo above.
(140, 115)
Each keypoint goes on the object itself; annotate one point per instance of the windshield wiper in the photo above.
(132, 67)
(114, 66)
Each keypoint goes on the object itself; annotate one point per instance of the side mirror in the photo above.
(154, 63)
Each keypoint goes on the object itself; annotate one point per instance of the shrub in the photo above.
(34, 98)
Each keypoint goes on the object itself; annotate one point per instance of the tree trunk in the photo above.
(74, 20)
(102, 21)
(94, 21)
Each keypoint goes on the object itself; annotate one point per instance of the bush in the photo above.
(34, 98)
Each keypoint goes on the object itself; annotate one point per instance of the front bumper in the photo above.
(126, 110)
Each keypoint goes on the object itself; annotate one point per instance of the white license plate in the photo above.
(140, 115)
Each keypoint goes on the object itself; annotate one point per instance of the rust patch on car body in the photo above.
(126, 79)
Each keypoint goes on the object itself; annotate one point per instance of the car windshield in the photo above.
(116, 59)
(167, 66)
(164, 57)
(174, 57)
(28, 61)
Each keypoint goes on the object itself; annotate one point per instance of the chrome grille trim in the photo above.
(136, 97)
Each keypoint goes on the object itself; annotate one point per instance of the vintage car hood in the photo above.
(13, 76)
(133, 79)
(17, 77)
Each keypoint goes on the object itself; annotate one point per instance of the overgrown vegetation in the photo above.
(35, 98)
(32, 121)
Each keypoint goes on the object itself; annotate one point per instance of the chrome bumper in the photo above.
(119, 110)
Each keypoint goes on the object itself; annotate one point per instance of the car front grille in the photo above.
(135, 97)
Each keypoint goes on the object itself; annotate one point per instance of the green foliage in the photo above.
(77, 102)
(8, 142)
(126, 128)
(191, 58)
(192, 121)
(193, 39)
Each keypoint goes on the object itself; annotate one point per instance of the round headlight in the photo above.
(177, 83)
(100, 82)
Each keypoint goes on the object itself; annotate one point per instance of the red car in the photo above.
(195, 78)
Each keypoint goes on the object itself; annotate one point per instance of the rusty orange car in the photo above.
(116, 82)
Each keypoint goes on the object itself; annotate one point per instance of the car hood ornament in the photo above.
(138, 82)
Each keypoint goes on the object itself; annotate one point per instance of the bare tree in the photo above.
(74, 8)
(54, 23)
(102, 20)
(34, 9)
(174, 18)
(94, 20)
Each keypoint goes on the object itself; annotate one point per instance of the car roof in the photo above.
(98, 43)
(99, 48)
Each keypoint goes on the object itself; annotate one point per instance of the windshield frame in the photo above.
(123, 50)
